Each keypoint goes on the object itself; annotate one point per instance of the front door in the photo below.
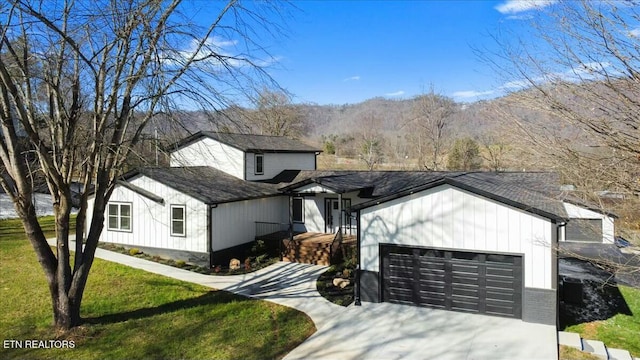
(332, 215)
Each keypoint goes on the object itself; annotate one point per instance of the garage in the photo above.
(474, 282)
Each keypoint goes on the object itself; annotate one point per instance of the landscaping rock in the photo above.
(234, 264)
(341, 283)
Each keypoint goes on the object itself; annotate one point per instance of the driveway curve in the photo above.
(371, 331)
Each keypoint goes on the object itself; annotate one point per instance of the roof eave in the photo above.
(457, 184)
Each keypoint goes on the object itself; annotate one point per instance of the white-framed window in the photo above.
(178, 220)
(119, 216)
(259, 158)
(298, 210)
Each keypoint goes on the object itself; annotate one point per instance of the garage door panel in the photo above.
(499, 271)
(453, 280)
(504, 284)
(465, 280)
(471, 292)
(464, 268)
(500, 296)
(466, 305)
(432, 264)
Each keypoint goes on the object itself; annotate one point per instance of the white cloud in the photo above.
(518, 6)
(635, 33)
(352, 78)
(396, 93)
(224, 51)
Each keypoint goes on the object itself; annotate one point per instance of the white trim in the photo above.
(118, 216)
(299, 221)
(256, 170)
(172, 219)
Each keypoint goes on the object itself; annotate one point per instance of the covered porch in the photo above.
(309, 247)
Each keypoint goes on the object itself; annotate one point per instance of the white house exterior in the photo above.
(247, 157)
(464, 241)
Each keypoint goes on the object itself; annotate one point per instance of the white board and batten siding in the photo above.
(577, 212)
(314, 207)
(234, 223)
(451, 218)
(150, 221)
(275, 163)
(209, 152)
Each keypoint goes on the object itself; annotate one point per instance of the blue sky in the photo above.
(341, 52)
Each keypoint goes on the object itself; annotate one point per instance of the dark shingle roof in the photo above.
(535, 192)
(250, 143)
(207, 184)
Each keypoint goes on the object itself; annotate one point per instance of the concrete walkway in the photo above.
(289, 284)
(371, 331)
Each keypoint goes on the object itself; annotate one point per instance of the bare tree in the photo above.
(579, 71)
(81, 82)
(370, 141)
(494, 152)
(276, 115)
(429, 128)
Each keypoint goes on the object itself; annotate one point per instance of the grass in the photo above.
(571, 353)
(132, 314)
(620, 331)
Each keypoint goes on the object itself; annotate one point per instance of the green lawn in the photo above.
(620, 331)
(131, 314)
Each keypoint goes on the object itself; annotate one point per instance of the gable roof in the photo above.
(534, 192)
(250, 143)
(207, 184)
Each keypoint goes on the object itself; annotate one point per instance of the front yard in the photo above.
(620, 331)
(132, 314)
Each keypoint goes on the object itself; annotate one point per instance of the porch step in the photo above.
(595, 347)
(570, 339)
(307, 252)
(619, 354)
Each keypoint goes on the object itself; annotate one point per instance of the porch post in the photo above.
(291, 218)
(340, 216)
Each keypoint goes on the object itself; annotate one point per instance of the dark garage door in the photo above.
(453, 280)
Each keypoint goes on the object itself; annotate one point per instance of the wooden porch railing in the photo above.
(335, 244)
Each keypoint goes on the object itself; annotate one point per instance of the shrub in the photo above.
(134, 251)
(180, 263)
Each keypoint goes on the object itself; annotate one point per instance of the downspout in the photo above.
(357, 301)
(209, 236)
(557, 270)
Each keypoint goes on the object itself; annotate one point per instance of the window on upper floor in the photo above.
(259, 164)
(119, 216)
(178, 220)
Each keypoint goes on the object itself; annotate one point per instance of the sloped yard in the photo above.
(619, 331)
(131, 314)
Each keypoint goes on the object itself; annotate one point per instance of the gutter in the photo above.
(209, 236)
(557, 272)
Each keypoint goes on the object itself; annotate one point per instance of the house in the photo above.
(464, 241)
(203, 208)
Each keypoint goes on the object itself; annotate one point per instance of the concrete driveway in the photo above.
(372, 331)
(390, 331)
